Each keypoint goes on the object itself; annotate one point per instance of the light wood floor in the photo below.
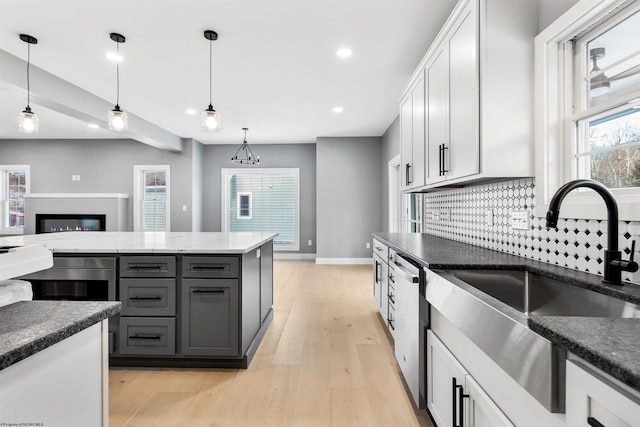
(325, 361)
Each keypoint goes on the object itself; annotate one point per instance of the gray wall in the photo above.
(197, 162)
(302, 156)
(390, 149)
(105, 166)
(349, 202)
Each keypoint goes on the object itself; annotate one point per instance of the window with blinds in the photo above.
(13, 187)
(263, 200)
(151, 198)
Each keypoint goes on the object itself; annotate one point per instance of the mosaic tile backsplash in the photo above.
(460, 214)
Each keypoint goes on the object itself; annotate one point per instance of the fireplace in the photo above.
(57, 223)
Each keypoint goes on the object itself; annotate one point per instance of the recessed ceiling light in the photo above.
(191, 111)
(114, 56)
(344, 52)
(93, 126)
(338, 109)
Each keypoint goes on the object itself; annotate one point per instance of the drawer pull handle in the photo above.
(145, 267)
(391, 299)
(145, 337)
(391, 324)
(594, 423)
(145, 298)
(208, 291)
(207, 267)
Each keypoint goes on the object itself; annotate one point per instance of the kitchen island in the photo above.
(188, 299)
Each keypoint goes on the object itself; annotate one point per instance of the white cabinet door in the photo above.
(595, 401)
(480, 411)
(444, 374)
(453, 101)
(463, 157)
(406, 149)
(419, 133)
(437, 75)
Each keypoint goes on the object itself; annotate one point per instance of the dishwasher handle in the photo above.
(404, 273)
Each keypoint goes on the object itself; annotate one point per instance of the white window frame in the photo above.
(225, 173)
(238, 210)
(4, 196)
(138, 191)
(554, 134)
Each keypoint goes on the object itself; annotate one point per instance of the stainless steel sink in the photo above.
(491, 308)
(531, 293)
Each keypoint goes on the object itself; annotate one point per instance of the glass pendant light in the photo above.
(243, 155)
(210, 117)
(117, 117)
(28, 120)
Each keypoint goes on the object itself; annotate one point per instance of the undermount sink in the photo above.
(532, 293)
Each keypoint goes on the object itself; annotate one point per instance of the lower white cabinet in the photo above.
(595, 399)
(454, 398)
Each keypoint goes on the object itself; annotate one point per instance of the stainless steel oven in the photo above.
(76, 278)
(79, 278)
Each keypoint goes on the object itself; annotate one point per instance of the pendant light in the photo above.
(243, 155)
(28, 120)
(117, 117)
(210, 117)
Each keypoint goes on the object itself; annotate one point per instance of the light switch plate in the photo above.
(519, 220)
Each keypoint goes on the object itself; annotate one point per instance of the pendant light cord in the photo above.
(117, 75)
(28, 64)
(210, 68)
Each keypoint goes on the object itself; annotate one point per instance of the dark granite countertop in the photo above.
(611, 344)
(28, 327)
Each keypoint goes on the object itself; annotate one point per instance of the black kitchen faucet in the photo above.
(613, 263)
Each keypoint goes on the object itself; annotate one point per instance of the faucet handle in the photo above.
(631, 265)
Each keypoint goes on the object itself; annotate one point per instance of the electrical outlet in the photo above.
(309, 242)
(368, 245)
(488, 217)
(519, 220)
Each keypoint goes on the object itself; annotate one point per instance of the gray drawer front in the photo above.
(147, 336)
(148, 297)
(215, 267)
(147, 266)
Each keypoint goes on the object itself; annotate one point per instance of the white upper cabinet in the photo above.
(478, 113)
(412, 136)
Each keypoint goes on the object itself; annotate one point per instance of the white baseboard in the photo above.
(359, 261)
(294, 256)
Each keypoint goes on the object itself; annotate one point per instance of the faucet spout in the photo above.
(613, 264)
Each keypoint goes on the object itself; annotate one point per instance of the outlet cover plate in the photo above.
(519, 220)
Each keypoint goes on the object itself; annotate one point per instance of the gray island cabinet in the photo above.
(188, 299)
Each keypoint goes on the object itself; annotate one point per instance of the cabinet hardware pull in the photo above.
(441, 148)
(208, 291)
(207, 267)
(457, 403)
(391, 299)
(391, 324)
(594, 423)
(145, 298)
(145, 267)
(145, 337)
(377, 278)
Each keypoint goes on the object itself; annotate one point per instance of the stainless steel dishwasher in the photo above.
(409, 279)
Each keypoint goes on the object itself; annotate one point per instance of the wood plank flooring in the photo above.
(326, 360)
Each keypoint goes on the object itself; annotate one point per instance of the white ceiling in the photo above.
(275, 68)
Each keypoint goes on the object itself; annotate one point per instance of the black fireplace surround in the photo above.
(57, 223)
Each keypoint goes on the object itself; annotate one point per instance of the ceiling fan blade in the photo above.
(627, 73)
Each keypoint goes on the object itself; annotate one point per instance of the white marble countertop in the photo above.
(144, 242)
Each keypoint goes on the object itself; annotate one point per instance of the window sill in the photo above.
(11, 232)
